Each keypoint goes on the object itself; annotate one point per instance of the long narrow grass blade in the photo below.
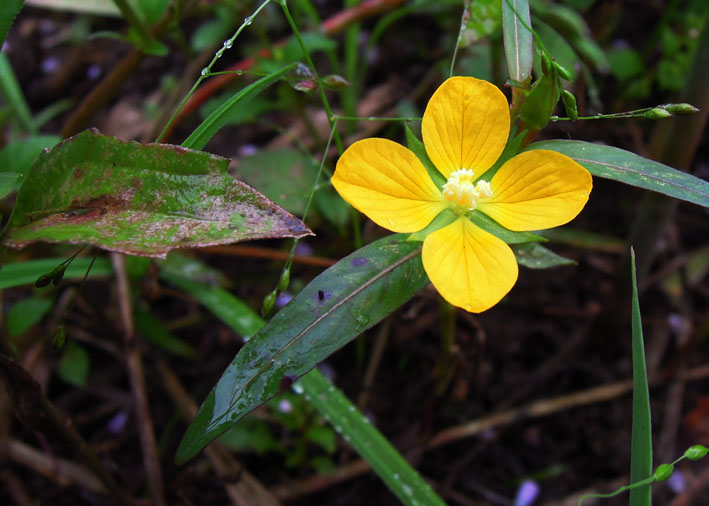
(211, 125)
(11, 91)
(641, 445)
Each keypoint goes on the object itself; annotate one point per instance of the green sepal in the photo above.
(419, 150)
(443, 219)
(541, 101)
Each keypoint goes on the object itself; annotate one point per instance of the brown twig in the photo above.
(61, 471)
(247, 491)
(134, 365)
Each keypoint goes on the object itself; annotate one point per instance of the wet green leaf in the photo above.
(620, 165)
(139, 199)
(346, 299)
(8, 10)
(535, 256)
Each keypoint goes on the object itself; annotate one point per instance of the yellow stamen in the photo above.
(462, 194)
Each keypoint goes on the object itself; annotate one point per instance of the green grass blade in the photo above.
(392, 468)
(641, 445)
(211, 125)
(10, 89)
(26, 273)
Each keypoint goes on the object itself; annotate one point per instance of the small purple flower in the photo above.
(527, 493)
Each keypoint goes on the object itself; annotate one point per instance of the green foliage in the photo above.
(26, 313)
(8, 10)
(139, 199)
(74, 364)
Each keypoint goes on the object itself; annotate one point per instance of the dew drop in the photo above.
(205, 71)
(228, 43)
(247, 20)
(298, 388)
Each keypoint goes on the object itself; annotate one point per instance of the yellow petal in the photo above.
(388, 183)
(465, 125)
(469, 267)
(537, 189)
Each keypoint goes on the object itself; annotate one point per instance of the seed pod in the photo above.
(305, 86)
(679, 109)
(563, 72)
(58, 275)
(284, 280)
(44, 280)
(657, 113)
(696, 452)
(663, 472)
(569, 101)
(269, 301)
(335, 82)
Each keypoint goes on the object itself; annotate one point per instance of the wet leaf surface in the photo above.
(140, 199)
(345, 300)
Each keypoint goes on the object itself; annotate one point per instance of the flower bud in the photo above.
(657, 113)
(305, 86)
(663, 472)
(269, 301)
(696, 452)
(284, 280)
(58, 275)
(43, 280)
(546, 63)
(679, 109)
(335, 82)
(569, 101)
(563, 72)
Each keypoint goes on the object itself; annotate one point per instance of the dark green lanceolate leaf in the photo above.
(211, 125)
(335, 307)
(8, 10)
(641, 438)
(535, 256)
(7, 182)
(139, 199)
(620, 165)
(486, 223)
(518, 38)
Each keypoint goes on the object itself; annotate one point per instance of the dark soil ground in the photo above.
(553, 355)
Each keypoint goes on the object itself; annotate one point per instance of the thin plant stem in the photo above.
(207, 71)
(309, 60)
(373, 118)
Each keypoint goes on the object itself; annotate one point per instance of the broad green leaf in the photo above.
(27, 272)
(139, 199)
(211, 125)
(284, 175)
(7, 182)
(516, 24)
(26, 313)
(541, 102)
(620, 165)
(337, 409)
(346, 299)
(481, 18)
(18, 156)
(9, 9)
(535, 256)
(641, 439)
(74, 364)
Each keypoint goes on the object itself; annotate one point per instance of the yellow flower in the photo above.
(465, 129)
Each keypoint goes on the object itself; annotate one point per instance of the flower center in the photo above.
(462, 194)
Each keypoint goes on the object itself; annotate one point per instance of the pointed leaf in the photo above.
(346, 299)
(518, 38)
(139, 199)
(641, 443)
(614, 163)
(535, 256)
